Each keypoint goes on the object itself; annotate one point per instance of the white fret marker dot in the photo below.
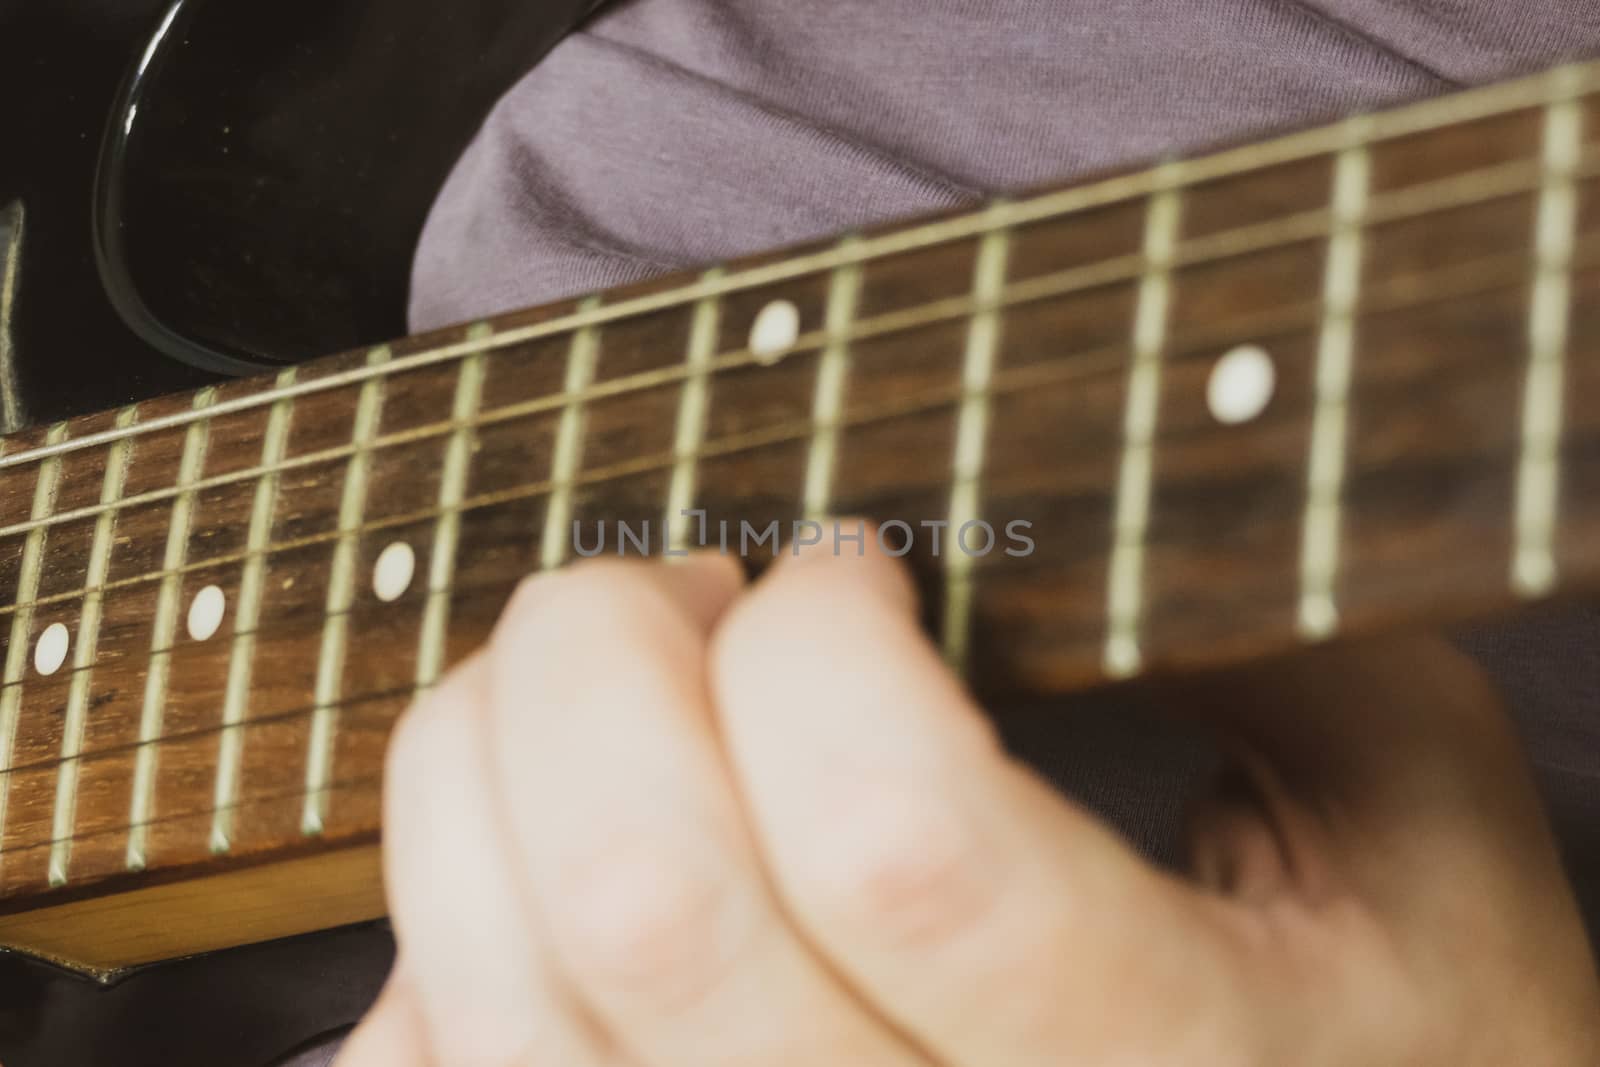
(206, 612)
(776, 332)
(392, 576)
(1241, 385)
(51, 651)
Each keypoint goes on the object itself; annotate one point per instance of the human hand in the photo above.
(664, 820)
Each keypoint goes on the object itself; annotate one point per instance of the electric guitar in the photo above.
(1343, 380)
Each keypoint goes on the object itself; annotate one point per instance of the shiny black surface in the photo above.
(244, 1008)
(283, 156)
(281, 162)
(61, 62)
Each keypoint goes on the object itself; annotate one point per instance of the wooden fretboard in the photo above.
(215, 605)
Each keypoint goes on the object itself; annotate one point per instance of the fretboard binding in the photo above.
(1081, 366)
(1535, 91)
(1228, 244)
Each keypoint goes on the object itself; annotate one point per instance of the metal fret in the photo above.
(13, 221)
(691, 426)
(447, 533)
(190, 467)
(581, 360)
(1319, 552)
(972, 430)
(241, 657)
(833, 371)
(340, 595)
(44, 500)
(72, 728)
(1125, 588)
(1533, 571)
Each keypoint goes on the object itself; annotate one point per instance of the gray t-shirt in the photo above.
(670, 133)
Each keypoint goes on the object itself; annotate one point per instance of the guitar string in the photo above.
(1075, 367)
(1448, 194)
(1543, 90)
(355, 710)
(1474, 277)
(349, 721)
(345, 787)
(1470, 278)
(1032, 376)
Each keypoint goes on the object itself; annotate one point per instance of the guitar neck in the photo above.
(1343, 380)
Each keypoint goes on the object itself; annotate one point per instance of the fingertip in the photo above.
(851, 604)
(827, 626)
(852, 551)
(697, 586)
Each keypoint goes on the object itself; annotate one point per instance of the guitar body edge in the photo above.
(102, 936)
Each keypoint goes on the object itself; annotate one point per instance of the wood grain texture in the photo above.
(1449, 263)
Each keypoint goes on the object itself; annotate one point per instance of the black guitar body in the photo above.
(234, 185)
(245, 1008)
(194, 189)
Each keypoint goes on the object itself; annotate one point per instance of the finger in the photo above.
(982, 913)
(630, 836)
(391, 1035)
(476, 976)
